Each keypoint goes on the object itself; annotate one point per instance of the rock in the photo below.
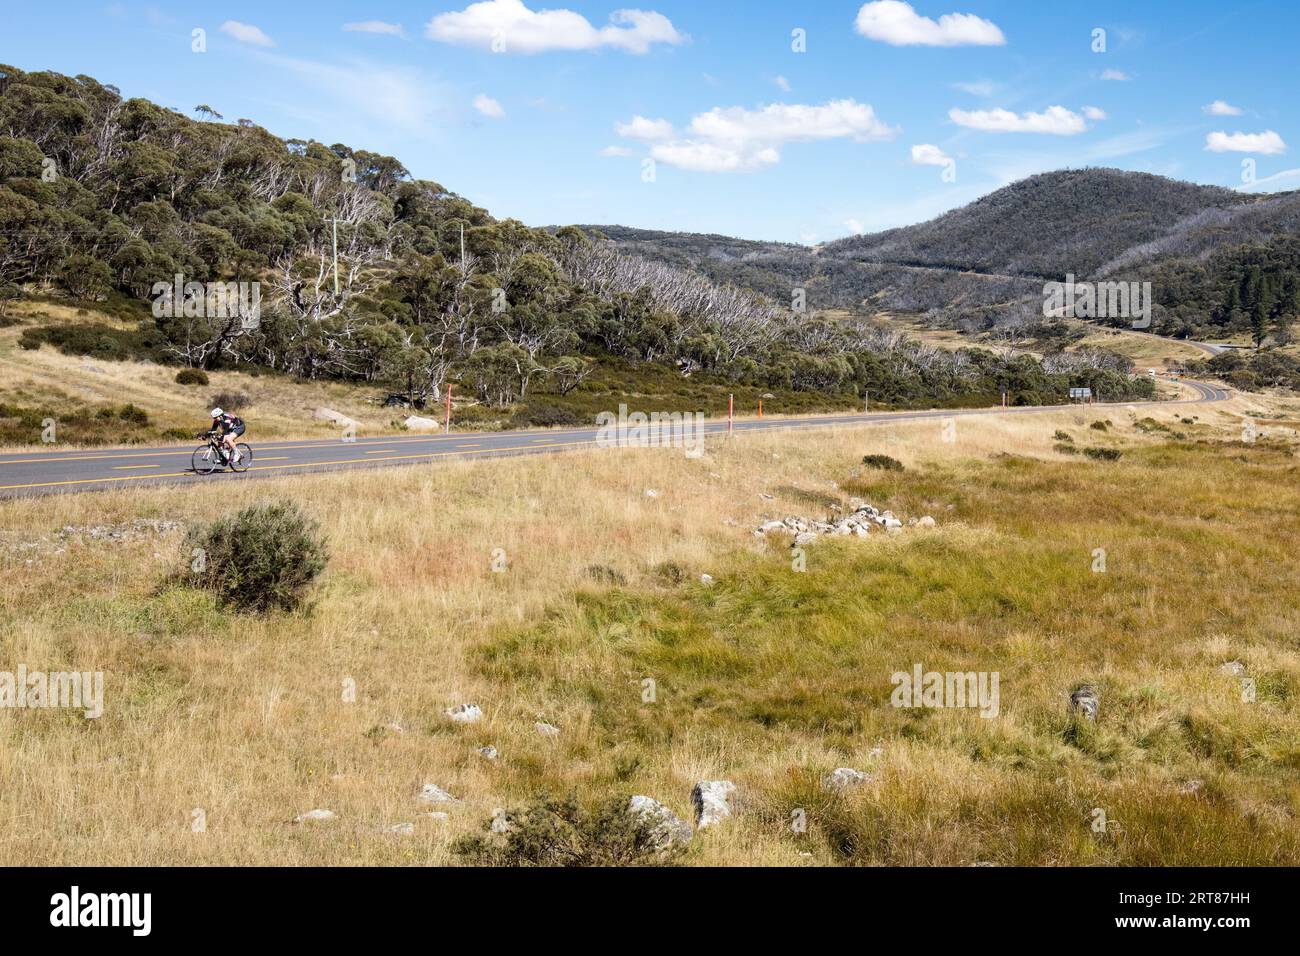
(488, 753)
(1191, 787)
(500, 821)
(402, 829)
(804, 537)
(1085, 702)
(438, 816)
(710, 798)
(337, 418)
(651, 493)
(925, 522)
(418, 423)
(430, 793)
(464, 713)
(770, 526)
(844, 778)
(666, 828)
(706, 579)
(546, 730)
(315, 816)
(1233, 668)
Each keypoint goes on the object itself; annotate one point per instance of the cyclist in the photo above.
(228, 428)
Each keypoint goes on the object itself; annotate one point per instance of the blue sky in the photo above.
(704, 117)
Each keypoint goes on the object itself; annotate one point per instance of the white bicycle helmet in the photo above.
(217, 413)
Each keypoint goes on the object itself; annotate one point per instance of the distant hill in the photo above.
(1195, 243)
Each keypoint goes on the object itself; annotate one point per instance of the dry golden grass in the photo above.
(768, 678)
(282, 406)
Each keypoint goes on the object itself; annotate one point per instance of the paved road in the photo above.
(92, 470)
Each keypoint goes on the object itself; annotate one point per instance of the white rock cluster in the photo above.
(858, 523)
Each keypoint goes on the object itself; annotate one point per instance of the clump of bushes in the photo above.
(262, 558)
(127, 413)
(1100, 426)
(1065, 449)
(564, 833)
(1063, 436)
(883, 462)
(1103, 454)
(544, 416)
(229, 401)
(191, 376)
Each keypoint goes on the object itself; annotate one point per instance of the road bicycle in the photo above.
(212, 455)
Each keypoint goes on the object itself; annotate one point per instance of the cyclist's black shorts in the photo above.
(237, 430)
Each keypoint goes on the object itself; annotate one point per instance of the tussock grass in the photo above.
(767, 677)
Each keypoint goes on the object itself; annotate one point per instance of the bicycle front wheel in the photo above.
(204, 461)
(245, 458)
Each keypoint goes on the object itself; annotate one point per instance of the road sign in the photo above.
(1081, 393)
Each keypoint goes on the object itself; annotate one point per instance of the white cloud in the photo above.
(246, 33)
(508, 26)
(733, 139)
(927, 154)
(782, 82)
(712, 158)
(853, 226)
(647, 129)
(1094, 113)
(781, 123)
(488, 106)
(616, 151)
(1117, 75)
(1055, 120)
(1220, 108)
(1267, 142)
(983, 88)
(896, 23)
(375, 26)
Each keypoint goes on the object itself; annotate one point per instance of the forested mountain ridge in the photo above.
(987, 261)
(105, 199)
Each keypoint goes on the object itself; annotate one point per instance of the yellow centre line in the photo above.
(126, 467)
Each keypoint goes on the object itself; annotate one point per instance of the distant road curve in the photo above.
(34, 473)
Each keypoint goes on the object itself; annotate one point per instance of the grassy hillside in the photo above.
(768, 677)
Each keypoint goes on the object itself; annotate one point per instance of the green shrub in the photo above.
(133, 414)
(544, 416)
(1062, 436)
(562, 833)
(883, 462)
(1065, 449)
(262, 558)
(1103, 454)
(191, 376)
(1100, 426)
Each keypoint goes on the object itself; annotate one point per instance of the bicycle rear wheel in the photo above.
(204, 461)
(245, 458)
